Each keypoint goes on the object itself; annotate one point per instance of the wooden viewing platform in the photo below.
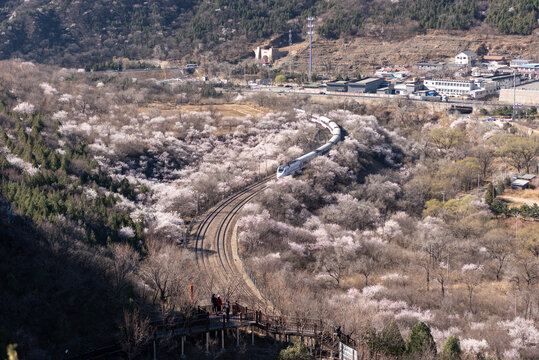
(322, 338)
(281, 328)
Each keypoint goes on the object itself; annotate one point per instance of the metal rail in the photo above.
(222, 226)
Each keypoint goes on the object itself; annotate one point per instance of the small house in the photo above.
(520, 184)
(519, 62)
(430, 65)
(528, 177)
(500, 59)
(466, 58)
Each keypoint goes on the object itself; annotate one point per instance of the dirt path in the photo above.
(236, 110)
(519, 200)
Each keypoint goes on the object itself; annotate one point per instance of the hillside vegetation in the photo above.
(94, 193)
(83, 33)
(101, 176)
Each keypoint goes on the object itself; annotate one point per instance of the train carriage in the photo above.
(300, 162)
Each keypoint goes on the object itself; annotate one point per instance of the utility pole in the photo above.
(516, 225)
(448, 267)
(310, 33)
(290, 51)
(266, 160)
(514, 92)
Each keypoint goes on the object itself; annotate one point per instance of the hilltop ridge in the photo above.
(81, 33)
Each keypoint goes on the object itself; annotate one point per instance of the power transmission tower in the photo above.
(290, 51)
(310, 26)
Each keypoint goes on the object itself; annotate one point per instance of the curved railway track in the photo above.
(214, 247)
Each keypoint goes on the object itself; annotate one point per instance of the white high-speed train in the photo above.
(300, 162)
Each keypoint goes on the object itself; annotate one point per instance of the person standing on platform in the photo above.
(227, 310)
(213, 303)
(219, 303)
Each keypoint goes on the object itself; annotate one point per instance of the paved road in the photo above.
(216, 248)
(142, 70)
(287, 91)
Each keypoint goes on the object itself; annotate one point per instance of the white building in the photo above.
(487, 88)
(519, 62)
(466, 57)
(406, 88)
(450, 87)
(266, 55)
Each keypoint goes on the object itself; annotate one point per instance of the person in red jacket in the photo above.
(219, 303)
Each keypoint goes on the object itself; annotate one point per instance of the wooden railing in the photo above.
(323, 333)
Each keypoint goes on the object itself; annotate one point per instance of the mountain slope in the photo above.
(81, 33)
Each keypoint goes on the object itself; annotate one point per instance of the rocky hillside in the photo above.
(78, 33)
(352, 56)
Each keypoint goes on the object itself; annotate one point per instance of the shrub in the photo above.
(209, 91)
(499, 207)
(280, 79)
(12, 352)
(298, 351)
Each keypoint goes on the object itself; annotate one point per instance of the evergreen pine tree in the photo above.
(490, 195)
(451, 349)
(421, 340)
(392, 342)
(501, 188)
(373, 340)
(482, 50)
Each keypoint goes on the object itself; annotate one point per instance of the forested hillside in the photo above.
(97, 189)
(83, 33)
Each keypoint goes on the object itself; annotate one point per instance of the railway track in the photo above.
(215, 250)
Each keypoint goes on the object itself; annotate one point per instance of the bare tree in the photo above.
(446, 139)
(136, 332)
(166, 272)
(124, 263)
(471, 276)
(424, 261)
(442, 276)
(366, 266)
(526, 271)
(485, 155)
(335, 264)
(499, 245)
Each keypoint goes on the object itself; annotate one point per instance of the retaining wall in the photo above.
(524, 97)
